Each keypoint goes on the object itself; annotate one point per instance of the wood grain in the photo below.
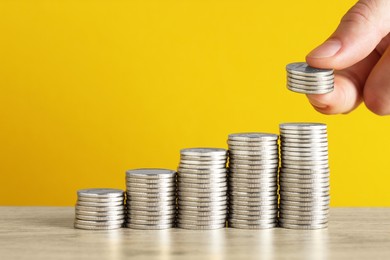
(48, 233)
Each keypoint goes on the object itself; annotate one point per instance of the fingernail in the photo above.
(326, 50)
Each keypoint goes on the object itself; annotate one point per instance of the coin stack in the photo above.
(304, 176)
(202, 187)
(304, 79)
(151, 198)
(253, 172)
(100, 209)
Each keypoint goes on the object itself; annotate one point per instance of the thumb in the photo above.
(359, 32)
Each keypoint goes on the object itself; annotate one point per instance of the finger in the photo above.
(377, 89)
(359, 32)
(348, 90)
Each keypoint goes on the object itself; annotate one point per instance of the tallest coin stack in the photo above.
(304, 176)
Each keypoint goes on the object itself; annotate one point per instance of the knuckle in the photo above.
(362, 12)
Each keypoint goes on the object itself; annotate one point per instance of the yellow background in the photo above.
(89, 89)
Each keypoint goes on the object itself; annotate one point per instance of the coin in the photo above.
(99, 209)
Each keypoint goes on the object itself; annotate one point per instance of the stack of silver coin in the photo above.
(302, 78)
(202, 188)
(151, 198)
(304, 176)
(253, 172)
(100, 209)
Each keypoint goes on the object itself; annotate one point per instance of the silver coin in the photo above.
(147, 217)
(202, 167)
(302, 149)
(201, 218)
(206, 172)
(252, 153)
(155, 208)
(203, 158)
(304, 227)
(304, 171)
(99, 209)
(262, 194)
(254, 189)
(311, 79)
(269, 202)
(224, 197)
(154, 190)
(160, 213)
(191, 194)
(100, 204)
(184, 212)
(252, 222)
(288, 180)
(306, 163)
(263, 149)
(253, 207)
(103, 200)
(309, 83)
(202, 204)
(262, 179)
(309, 87)
(87, 227)
(203, 208)
(100, 193)
(196, 227)
(302, 68)
(303, 222)
(270, 218)
(234, 166)
(304, 186)
(156, 199)
(253, 212)
(200, 190)
(310, 199)
(112, 213)
(304, 139)
(310, 190)
(303, 126)
(255, 162)
(102, 218)
(149, 227)
(203, 151)
(298, 217)
(203, 163)
(201, 222)
(151, 173)
(203, 181)
(246, 226)
(303, 213)
(254, 136)
(213, 186)
(150, 195)
(255, 158)
(305, 209)
(150, 222)
(252, 143)
(156, 187)
(99, 223)
(260, 200)
(151, 204)
(295, 129)
(305, 158)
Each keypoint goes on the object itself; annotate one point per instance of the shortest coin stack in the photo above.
(304, 79)
(100, 209)
(151, 198)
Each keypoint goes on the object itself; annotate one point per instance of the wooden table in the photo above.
(48, 233)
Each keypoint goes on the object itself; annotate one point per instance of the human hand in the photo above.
(359, 51)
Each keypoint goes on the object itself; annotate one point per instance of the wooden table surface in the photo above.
(48, 233)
